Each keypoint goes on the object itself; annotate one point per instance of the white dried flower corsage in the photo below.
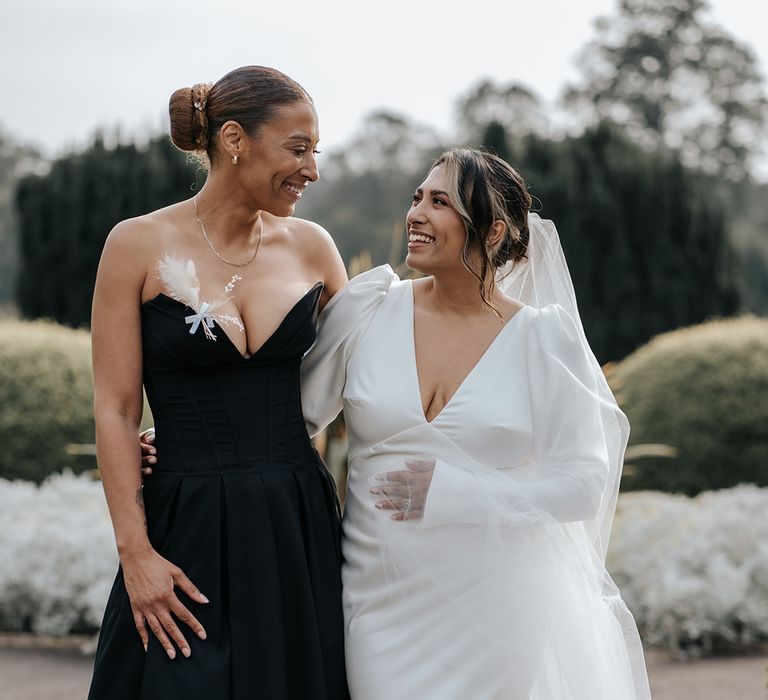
(180, 281)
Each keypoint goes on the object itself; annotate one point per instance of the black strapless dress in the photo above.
(241, 501)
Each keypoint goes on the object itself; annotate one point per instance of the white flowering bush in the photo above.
(694, 571)
(57, 554)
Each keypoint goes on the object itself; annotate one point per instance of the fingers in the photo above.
(400, 506)
(413, 514)
(400, 476)
(397, 505)
(181, 581)
(159, 631)
(185, 616)
(392, 490)
(148, 455)
(148, 451)
(141, 626)
(173, 631)
(414, 465)
(390, 504)
(164, 627)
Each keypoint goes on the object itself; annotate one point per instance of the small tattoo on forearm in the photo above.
(140, 502)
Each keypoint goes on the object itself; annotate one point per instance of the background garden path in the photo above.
(63, 674)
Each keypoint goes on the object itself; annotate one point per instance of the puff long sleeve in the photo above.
(340, 326)
(570, 455)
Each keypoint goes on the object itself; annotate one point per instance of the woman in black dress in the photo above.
(229, 582)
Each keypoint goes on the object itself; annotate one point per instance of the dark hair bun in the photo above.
(250, 96)
(189, 122)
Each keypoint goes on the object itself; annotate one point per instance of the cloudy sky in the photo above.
(70, 67)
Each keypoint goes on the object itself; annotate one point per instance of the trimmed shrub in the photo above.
(46, 387)
(704, 391)
(694, 571)
(57, 555)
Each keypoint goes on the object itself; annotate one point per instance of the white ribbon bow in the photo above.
(201, 316)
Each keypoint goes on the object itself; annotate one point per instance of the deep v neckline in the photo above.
(467, 377)
(248, 356)
(228, 341)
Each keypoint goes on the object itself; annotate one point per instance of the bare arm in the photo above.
(116, 343)
(117, 370)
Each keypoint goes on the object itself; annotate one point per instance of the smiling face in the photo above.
(436, 234)
(275, 167)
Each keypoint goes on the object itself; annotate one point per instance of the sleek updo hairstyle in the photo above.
(249, 95)
(484, 188)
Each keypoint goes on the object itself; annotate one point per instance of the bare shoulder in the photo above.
(132, 246)
(508, 306)
(310, 235)
(145, 231)
(318, 251)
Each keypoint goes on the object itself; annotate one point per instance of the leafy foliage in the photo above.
(47, 390)
(15, 162)
(514, 107)
(670, 78)
(65, 217)
(702, 390)
(645, 241)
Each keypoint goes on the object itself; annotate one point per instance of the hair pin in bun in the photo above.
(200, 93)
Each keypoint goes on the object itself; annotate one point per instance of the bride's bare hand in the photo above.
(148, 451)
(405, 492)
(150, 581)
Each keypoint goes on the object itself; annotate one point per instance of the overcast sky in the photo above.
(68, 67)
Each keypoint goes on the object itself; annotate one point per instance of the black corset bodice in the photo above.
(215, 410)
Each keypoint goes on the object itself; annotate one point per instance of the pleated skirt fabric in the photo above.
(262, 543)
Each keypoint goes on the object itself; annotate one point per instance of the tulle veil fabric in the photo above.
(516, 556)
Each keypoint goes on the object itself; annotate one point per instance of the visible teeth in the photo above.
(292, 188)
(413, 237)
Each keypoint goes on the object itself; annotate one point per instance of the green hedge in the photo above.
(47, 399)
(704, 391)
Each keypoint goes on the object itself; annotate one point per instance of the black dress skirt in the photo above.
(240, 501)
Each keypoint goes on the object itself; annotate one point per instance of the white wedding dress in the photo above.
(498, 593)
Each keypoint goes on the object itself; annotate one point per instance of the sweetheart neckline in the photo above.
(315, 287)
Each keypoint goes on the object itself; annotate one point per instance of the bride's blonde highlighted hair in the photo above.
(484, 189)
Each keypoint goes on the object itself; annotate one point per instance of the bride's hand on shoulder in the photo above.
(150, 581)
(148, 451)
(405, 492)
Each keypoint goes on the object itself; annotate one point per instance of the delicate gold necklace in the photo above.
(216, 252)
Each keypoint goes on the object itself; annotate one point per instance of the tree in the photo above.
(645, 240)
(15, 161)
(671, 79)
(387, 142)
(66, 214)
(513, 106)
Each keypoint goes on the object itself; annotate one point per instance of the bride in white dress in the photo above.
(485, 451)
